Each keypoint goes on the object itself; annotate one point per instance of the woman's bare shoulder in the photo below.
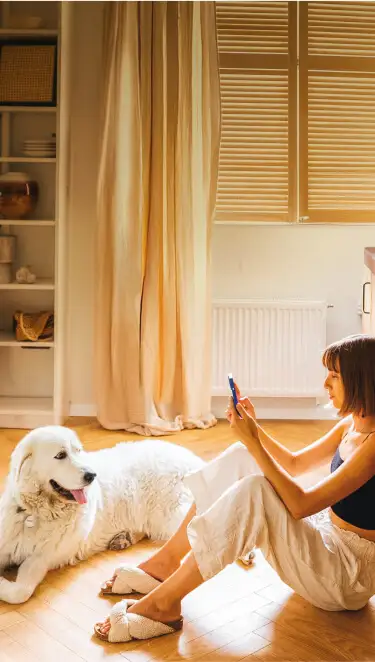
(345, 425)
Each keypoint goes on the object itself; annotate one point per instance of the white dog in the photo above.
(62, 505)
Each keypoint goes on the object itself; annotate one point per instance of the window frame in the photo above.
(298, 63)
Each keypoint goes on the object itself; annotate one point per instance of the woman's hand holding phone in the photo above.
(245, 428)
(245, 402)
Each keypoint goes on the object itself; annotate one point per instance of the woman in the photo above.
(248, 497)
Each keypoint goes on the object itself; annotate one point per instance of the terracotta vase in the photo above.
(18, 195)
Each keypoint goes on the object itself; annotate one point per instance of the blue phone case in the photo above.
(233, 389)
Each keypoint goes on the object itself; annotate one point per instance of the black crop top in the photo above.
(358, 508)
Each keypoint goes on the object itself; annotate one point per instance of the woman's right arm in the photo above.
(314, 455)
(299, 462)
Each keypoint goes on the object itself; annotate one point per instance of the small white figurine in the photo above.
(24, 275)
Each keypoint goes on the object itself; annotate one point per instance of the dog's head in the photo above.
(49, 462)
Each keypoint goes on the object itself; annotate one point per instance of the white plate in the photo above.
(39, 146)
(40, 155)
(39, 149)
(40, 140)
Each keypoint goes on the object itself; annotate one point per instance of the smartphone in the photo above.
(233, 389)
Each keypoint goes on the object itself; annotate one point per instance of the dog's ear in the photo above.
(20, 459)
(22, 464)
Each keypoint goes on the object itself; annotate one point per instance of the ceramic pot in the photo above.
(18, 195)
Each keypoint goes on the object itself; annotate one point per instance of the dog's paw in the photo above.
(123, 540)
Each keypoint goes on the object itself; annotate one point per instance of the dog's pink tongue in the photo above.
(79, 496)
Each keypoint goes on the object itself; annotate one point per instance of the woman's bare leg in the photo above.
(168, 558)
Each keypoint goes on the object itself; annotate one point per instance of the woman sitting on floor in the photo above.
(320, 541)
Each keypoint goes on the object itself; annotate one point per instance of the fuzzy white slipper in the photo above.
(125, 627)
(130, 579)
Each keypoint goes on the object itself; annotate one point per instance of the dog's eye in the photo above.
(61, 456)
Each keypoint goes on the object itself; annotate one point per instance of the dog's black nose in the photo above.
(89, 477)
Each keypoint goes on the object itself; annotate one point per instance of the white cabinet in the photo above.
(32, 388)
(366, 301)
(368, 292)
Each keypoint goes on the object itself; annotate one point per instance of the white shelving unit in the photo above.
(32, 391)
(30, 159)
(31, 223)
(28, 109)
(40, 284)
(18, 33)
(7, 340)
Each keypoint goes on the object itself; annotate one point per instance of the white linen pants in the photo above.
(238, 509)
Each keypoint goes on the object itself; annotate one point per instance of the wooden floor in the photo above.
(242, 614)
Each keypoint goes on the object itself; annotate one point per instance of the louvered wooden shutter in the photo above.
(337, 111)
(258, 73)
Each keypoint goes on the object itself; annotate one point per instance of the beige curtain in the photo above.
(157, 189)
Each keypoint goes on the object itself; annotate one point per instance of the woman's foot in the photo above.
(158, 612)
(155, 610)
(159, 569)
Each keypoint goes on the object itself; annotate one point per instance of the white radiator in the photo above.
(273, 348)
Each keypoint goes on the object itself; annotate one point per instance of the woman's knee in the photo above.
(237, 449)
(256, 482)
(239, 454)
(257, 488)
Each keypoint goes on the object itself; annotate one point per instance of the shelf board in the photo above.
(28, 109)
(24, 406)
(26, 159)
(9, 33)
(40, 284)
(5, 221)
(7, 339)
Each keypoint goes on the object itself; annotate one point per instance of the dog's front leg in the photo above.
(30, 574)
(125, 539)
(4, 562)
(5, 547)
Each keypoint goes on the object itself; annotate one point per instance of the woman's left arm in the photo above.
(350, 476)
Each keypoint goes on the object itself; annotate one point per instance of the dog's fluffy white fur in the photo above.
(138, 491)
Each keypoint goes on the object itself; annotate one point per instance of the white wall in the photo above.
(309, 262)
(86, 90)
(312, 262)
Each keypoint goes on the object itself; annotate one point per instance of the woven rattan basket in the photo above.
(33, 326)
(27, 74)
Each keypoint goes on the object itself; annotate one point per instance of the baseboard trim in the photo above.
(82, 410)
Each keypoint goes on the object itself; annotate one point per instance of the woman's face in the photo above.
(335, 388)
